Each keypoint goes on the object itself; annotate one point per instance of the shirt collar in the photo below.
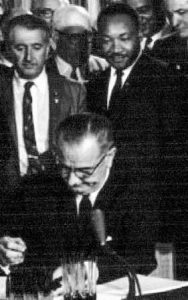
(63, 65)
(38, 81)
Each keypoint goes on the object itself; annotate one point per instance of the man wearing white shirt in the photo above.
(72, 58)
(133, 93)
(28, 124)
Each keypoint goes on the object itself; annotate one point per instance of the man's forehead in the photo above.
(173, 5)
(114, 23)
(22, 33)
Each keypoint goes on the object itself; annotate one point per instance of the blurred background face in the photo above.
(45, 9)
(30, 51)
(178, 14)
(86, 154)
(74, 45)
(119, 40)
(146, 14)
(1, 7)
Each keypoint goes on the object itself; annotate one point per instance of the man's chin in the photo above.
(119, 65)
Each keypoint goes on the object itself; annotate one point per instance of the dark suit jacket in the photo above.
(50, 227)
(66, 98)
(172, 50)
(51, 67)
(136, 121)
(143, 119)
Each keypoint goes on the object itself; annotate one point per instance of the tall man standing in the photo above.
(133, 94)
(72, 58)
(32, 105)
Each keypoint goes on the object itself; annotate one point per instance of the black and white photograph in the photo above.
(93, 149)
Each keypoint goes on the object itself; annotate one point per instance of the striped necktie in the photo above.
(29, 132)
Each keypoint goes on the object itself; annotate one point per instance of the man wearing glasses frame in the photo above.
(63, 222)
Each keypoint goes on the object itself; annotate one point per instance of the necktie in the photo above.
(116, 92)
(85, 212)
(73, 74)
(29, 132)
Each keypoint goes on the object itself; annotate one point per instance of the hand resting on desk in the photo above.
(11, 251)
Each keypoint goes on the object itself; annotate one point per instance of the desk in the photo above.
(152, 289)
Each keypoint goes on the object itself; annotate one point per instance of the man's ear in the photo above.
(110, 156)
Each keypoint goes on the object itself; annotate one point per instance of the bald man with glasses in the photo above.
(63, 216)
(85, 156)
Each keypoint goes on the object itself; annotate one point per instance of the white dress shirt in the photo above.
(125, 74)
(40, 110)
(65, 69)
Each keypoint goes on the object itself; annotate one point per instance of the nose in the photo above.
(116, 46)
(73, 179)
(28, 54)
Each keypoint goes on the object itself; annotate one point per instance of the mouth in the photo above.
(28, 66)
(118, 58)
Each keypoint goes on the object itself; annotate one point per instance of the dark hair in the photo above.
(159, 12)
(117, 9)
(76, 127)
(29, 22)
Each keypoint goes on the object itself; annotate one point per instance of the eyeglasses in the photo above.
(46, 12)
(81, 173)
(86, 35)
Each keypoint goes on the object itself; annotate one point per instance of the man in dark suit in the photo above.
(86, 152)
(60, 226)
(32, 105)
(173, 49)
(152, 17)
(135, 103)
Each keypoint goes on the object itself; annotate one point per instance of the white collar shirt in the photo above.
(65, 69)
(125, 74)
(40, 110)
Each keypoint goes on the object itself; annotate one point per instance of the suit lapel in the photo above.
(54, 107)
(9, 100)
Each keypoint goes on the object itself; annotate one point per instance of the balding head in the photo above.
(73, 32)
(71, 16)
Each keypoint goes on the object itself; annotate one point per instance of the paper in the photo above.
(118, 289)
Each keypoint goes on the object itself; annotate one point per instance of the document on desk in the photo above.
(118, 289)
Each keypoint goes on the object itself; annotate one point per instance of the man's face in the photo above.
(30, 51)
(120, 41)
(45, 9)
(178, 15)
(84, 157)
(146, 14)
(73, 45)
(1, 7)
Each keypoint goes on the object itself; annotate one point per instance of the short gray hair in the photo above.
(76, 127)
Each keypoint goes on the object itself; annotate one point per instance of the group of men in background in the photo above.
(58, 155)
